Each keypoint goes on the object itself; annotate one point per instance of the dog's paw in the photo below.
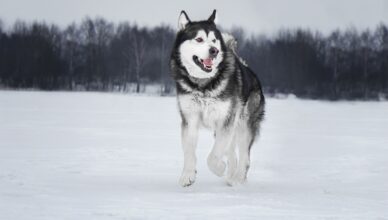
(232, 167)
(187, 178)
(237, 179)
(216, 165)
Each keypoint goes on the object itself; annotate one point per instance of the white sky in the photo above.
(256, 16)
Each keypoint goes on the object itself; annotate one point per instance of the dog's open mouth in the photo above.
(205, 64)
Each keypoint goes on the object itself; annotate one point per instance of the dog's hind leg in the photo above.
(232, 159)
(221, 147)
(244, 139)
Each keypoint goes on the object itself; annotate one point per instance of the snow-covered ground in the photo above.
(81, 155)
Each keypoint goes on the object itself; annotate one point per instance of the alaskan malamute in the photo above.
(217, 90)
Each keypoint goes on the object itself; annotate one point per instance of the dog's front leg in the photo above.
(189, 143)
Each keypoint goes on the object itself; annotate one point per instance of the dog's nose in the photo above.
(213, 51)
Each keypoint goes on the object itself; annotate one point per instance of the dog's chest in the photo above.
(210, 111)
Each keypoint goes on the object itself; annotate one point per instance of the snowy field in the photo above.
(67, 155)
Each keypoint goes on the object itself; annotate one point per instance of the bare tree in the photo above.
(162, 58)
(104, 33)
(334, 42)
(381, 35)
(71, 51)
(139, 48)
(124, 43)
(366, 46)
(96, 36)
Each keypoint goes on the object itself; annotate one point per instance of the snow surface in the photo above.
(79, 155)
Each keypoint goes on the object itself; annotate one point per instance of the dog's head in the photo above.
(199, 46)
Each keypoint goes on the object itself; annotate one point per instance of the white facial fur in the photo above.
(189, 48)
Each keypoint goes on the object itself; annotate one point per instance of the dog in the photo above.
(217, 90)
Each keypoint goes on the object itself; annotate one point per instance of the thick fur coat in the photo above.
(216, 90)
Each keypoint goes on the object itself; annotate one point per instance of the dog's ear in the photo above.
(183, 20)
(213, 17)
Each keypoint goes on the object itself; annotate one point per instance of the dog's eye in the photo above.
(199, 40)
(214, 40)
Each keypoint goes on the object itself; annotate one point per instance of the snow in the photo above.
(79, 155)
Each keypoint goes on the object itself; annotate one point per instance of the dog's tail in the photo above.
(231, 43)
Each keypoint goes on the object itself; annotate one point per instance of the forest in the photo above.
(98, 55)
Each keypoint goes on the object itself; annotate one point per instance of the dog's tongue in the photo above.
(208, 61)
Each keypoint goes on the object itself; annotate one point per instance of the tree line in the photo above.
(98, 55)
(347, 64)
(95, 55)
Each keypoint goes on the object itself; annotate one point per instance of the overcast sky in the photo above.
(257, 16)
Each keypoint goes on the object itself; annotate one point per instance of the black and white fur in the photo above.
(223, 95)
